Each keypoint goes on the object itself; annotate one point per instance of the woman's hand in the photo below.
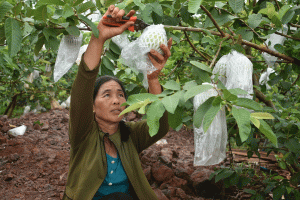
(94, 50)
(159, 60)
(107, 32)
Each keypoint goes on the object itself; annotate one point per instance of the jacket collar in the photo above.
(115, 138)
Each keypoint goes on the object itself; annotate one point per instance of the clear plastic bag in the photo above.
(264, 78)
(274, 39)
(210, 147)
(134, 54)
(67, 54)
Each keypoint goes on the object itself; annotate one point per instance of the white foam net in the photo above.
(134, 54)
(235, 71)
(210, 147)
(67, 54)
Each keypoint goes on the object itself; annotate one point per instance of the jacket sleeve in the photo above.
(81, 106)
(140, 132)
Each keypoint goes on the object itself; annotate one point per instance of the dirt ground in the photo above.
(35, 165)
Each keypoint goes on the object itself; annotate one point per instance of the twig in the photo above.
(192, 45)
(213, 20)
(216, 56)
(295, 25)
(284, 35)
(296, 80)
(277, 4)
(178, 64)
(259, 61)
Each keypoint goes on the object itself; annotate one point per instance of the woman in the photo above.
(104, 155)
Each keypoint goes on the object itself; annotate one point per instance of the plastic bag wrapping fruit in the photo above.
(210, 147)
(67, 54)
(135, 54)
(264, 78)
(235, 71)
(273, 40)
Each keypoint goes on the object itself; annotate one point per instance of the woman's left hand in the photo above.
(159, 60)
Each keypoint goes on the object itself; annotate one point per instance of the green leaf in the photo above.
(4, 8)
(91, 24)
(49, 32)
(110, 2)
(228, 96)
(171, 102)
(278, 192)
(261, 115)
(254, 20)
(51, 2)
(157, 9)
(242, 117)
(85, 6)
(13, 36)
(139, 4)
(73, 30)
(176, 119)
(146, 14)
(249, 191)
(267, 131)
(288, 17)
(196, 90)
(275, 20)
(269, 10)
(237, 91)
(41, 13)
(210, 116)
(172, 85)
(255, 121)
(141, 97)
(68, 11)
(189, 84)
(245, 33)
(114, 48)
(39, 44)
(223, 175)
(279, 48)
(194, 5)
(201, 111)
(283, 10)
(248, 103)
(108, 64)
(236, 5)
(77, 2)
(154, 113)
(201, 66)
(135, 106)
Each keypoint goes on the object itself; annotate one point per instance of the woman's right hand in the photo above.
(107, 32)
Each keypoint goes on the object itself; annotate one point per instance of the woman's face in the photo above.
(107, 105)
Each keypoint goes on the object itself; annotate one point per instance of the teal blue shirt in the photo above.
(116, 179)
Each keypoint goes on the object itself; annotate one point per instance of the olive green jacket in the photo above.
(87, 166)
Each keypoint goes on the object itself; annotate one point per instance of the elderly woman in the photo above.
(104, 155)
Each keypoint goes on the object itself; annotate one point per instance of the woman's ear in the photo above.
(93, 108)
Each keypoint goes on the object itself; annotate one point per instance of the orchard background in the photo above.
(202, 32)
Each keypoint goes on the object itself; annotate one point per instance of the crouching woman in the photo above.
(104, 154)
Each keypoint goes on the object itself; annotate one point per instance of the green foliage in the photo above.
(26, 27)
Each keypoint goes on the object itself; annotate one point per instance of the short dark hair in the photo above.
(103, 79)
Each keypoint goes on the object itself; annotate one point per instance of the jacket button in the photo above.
(112, 171)
(112, 162)
(110, 184)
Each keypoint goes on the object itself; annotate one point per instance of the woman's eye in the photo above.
(121, 95)
(106, 95)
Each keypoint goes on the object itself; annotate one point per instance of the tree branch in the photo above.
(213, 20)
(216, 56)
(284, 35)
(277, 4)
(244, 42)
(195, 49)
(295, 25)
(263, 98)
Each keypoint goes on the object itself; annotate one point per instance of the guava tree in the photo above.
(202, 31)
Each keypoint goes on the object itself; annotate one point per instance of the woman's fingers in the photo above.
(157, 55)
(115, 12)
(170, 43)
(110, 10)
(131, 13)
(156, 64)
(120, 14)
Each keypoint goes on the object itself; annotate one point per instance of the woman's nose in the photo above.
(116, 100)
